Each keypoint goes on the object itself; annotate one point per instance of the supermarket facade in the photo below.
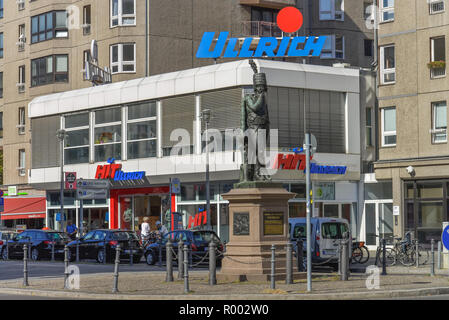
(135, 126)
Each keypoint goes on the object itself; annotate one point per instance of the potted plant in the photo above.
(437, 64)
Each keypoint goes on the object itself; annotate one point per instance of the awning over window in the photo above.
(24, 208)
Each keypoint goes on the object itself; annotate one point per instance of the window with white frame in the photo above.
(332, 10)
(76, 142)
(21, 124)
(123, 13)
(123, 58)
(388, 126)
(438, 57)
(387, 65)
(334, 47)
(369, 128)
(141, 130)
(386, 10)
(21, 168)
(21, 79)
(436, 6)
(108, 134)
(439, 122)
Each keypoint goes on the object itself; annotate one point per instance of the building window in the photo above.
(141, 131)
(21, 4)
(386, 10)
(436, 6)
(21, 167)
(49, 70)
(22, 38)
(389, 127)
(438, 57)
(439, 122)
(263, 23)
(1, 84)
(334, 47)
(1, 45)
(387, 66)
(123, 58)
(369, 128)
(123, 13)
(369, 47)
(1, 9)
(76, 143)
(49, 25)
(108, 134)
(86, 19)
(21, 124)
(332, 10)
(21, 82)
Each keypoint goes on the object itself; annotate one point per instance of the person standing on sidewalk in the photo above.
(161, 228)
(71, 229)
(145, 229)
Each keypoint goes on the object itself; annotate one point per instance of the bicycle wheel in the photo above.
(365, 255)
(407, 257)
(390, 257)
(423, 255)
(357, 255)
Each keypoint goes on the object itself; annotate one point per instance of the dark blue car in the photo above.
(197, 240)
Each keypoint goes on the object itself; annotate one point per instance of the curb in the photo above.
(305, 296)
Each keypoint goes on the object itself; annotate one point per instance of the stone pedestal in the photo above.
(258, 218)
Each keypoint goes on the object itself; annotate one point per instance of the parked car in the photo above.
(326, 235)
(92, 245)
(5, 235)
(40, 244)
(198, 240)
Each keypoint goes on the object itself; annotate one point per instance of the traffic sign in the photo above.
(93, 184)
(175, 186)
(445, 237)
(313, 143)
(70, 180)
(90, 194)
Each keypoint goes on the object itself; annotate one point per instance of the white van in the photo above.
(326, 235)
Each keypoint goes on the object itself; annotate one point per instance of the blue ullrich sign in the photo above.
(445, 237)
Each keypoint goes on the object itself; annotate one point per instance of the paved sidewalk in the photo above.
(152, 285)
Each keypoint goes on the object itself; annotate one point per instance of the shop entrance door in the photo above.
(134, 208)
(378, 223)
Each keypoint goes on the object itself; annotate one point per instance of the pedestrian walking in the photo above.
(145, 229)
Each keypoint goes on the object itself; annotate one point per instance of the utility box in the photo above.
(445, 243)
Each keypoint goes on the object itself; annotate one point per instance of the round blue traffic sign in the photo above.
(445, 237)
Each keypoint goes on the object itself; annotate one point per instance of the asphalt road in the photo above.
(26, 297)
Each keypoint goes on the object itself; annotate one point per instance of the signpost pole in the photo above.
(309, 253)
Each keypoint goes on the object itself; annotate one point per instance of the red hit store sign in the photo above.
(197, 220)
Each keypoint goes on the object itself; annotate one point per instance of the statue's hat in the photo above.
(259, 78)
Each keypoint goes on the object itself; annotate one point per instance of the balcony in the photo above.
(263, 29)
(437, 69)
(274, 4)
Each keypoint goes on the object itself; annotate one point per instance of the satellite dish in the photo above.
(313, 143)
(94, 50)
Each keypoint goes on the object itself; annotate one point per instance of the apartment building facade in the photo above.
(44, 45)
(413, 164)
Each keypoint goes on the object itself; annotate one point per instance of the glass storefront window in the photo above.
(430, 214)
(187, 192)
(330, 210)
(380, 190)
(299, 189)
(410, 191)
(430, 190)
(55, 199)
(296, 210)
(142, 110)
(142, 149)
(108, 115)
(202, 191)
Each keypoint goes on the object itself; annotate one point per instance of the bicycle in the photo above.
(360, 253)
(390, 255)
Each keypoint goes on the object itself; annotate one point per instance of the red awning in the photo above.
(24, 208)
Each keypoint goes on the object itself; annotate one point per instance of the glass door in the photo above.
(378, 223)
(126, 213)
(370, 224)
(386, 220)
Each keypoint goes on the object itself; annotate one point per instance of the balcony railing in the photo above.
(263, 29)
(437, 72)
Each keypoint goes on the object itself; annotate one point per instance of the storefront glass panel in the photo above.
(297, 210)
(370, 224)
(330, 211)
(386, 220)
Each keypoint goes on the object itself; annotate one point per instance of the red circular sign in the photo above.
(290, 19)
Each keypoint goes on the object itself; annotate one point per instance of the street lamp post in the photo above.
(205, 116)
(61, 136)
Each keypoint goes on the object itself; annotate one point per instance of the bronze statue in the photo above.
(255, 119)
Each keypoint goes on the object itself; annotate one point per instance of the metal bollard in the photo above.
(131, 255)
(212, 264)
(190, 256)
(340, 258)
(29, 248)
(439, 256)
(344, 261)
(186, 269)
(104, 253)
(66, 267)
(25, 265)
(169, 261)
(160, 253)
(384, 257)
(180, 259)
(53, 250)
(300, 255)
(117, 262)
(432, 250)
(77, 250)
(273, 267)
(417, 254)
(289, 271)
